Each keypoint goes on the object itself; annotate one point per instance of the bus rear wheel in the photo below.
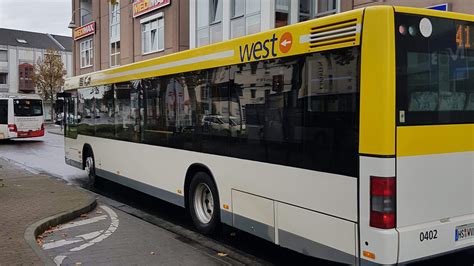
(203, 204)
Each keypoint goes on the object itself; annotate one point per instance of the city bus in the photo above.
(21, 116)
(348, 138)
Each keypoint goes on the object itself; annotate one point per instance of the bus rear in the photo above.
(420, 193)
(435, 134)
(21, 116)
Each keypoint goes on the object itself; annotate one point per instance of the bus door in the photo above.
(3, 118)
(70, 117)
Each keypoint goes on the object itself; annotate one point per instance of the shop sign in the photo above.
(84, 31)
(141, 7)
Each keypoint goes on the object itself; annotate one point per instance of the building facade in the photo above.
(20, 50)
(219, 20)
(112, 33)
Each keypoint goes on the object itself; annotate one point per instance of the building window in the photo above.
(209, 21)
(86, 8)
(310, 9)
(282, 13)
(25, 77)
(114, 33)
(3, 56)
(87, 54)
(3, 78)
(153, 34)
(326, 7)
(115, 54)
(245, 17)
(305, 10)
(238, 8)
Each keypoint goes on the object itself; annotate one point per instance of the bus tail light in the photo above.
(12, 128)
(382, 202)
(42, 127)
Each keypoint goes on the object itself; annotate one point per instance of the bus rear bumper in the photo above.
(30, 134)
(428, 240)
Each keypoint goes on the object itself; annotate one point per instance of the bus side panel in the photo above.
(161, 171)
(316, 234)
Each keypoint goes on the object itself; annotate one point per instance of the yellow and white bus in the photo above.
(348, 137)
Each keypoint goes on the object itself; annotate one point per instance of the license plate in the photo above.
(464, 232)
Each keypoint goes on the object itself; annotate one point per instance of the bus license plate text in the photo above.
(464, 232)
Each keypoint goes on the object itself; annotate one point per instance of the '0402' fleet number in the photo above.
(428, 235)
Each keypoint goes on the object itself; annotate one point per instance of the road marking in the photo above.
(92, 235)
(83, 222)
(59, 259)
(79, 238)
(60, 243)
(113, 226)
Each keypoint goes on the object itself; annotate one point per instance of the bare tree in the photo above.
(48, 77)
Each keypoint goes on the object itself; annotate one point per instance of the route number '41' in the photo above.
(463, 36)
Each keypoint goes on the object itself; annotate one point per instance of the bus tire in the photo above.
(89, 167)
(203, 200)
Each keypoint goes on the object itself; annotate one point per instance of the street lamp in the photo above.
(72, 25)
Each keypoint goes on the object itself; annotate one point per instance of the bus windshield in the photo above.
(435, 70)
(25, 107)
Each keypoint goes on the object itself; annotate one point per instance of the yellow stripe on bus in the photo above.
(437, 139)
(300, 44)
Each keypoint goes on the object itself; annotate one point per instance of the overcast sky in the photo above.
(46, 16)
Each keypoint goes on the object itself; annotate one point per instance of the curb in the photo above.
(41, 226)
(55, 133)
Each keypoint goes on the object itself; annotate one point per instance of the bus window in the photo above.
(434, 72)
(298, 111)
(28, 107)
(104, 106)
(127, 126)
(86, 111)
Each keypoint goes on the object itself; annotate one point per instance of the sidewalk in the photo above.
(29, 204)
(54, 129)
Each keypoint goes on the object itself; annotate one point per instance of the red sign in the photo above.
(84, 31)
(141, 7)
(286, 41)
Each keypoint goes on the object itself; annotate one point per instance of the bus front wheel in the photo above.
(89, 167)
(204, 203)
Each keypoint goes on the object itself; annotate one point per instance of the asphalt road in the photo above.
(147, 220)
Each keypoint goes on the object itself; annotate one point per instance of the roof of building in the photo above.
(35, 40)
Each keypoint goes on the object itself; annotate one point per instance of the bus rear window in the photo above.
(28, 107)
(435, 70)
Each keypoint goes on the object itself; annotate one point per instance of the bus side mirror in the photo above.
(63, 95)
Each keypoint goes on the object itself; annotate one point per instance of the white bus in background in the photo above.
(21, 116)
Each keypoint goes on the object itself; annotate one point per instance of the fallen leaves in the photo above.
(39, 241)
(222, 254)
